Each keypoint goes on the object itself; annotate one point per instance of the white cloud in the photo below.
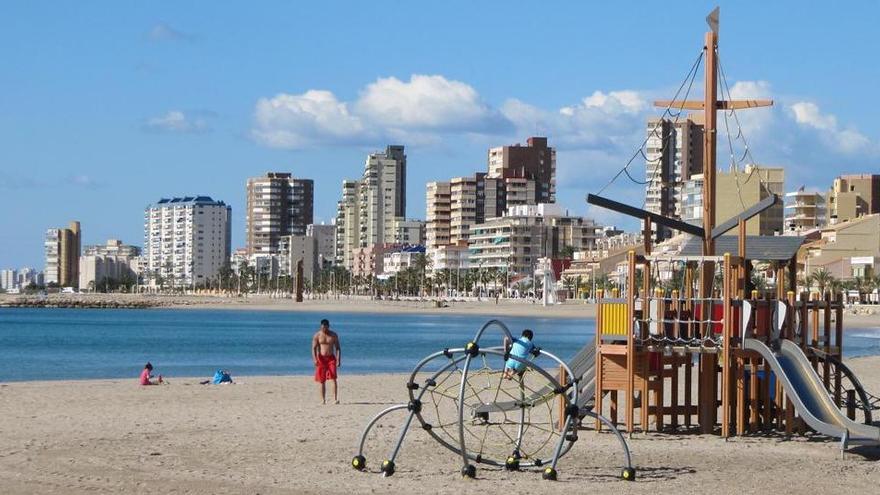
(177, 121)
(849, 140)
(164, 32)
(426, 102)
(298, 121)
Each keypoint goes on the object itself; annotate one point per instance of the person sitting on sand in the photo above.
(146, 376)
(327, 356)
(520, 348)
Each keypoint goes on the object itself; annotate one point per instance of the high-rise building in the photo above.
(371, 207)
(186, 240)
(8, 279)
(437, 225)
(409, 231)
(278, 205)
(28, 275)
(535, 162)
(517, 176)
(673, 154)
(111, 262)
(325, 236)
(741, 189)
(852, 196)
(804, 212)
(62, 248)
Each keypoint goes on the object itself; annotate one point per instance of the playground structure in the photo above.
(756, 359)
(706, 351)
(461, 398)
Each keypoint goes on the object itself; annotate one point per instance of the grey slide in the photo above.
(807, 392)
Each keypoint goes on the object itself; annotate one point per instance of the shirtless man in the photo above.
(327, 356)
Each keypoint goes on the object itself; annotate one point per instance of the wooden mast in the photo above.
(710, 105)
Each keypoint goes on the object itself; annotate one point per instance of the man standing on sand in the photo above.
(327, 356)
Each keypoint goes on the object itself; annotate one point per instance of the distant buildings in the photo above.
(8, 279)
(325, 236)
(846, 249)
(278, 205)
(62, 248)
(804, 212)
(112, 262)
(516, 175)
(186, 240)
(516, 241)
(673, 155)
(737, 191)
(399, 260)
(852, 196)
(296, 248)
(372, 208)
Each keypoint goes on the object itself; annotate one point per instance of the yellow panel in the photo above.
(613, 318)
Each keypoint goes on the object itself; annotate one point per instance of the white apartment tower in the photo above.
(372, 207)
(186, 240)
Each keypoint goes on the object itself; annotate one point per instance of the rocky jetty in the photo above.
(108, 301)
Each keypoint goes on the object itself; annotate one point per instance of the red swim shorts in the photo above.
(326, 369)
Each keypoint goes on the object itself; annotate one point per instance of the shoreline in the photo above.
(855, 317)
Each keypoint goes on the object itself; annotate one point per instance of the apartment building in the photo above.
(401, 259)
(278, 205)
(846, 249)
(852, 196)
(8, 279)
(186, 240)
(804, 212)
(535, 162)
(111, 261)
(373, 207)
(325, 236)
(516, 176)
(526, 234)
(296, 248)
(62, 248)
(370, 260)
(409, 231)
(450, 257)
(673, 154)
(739, 190)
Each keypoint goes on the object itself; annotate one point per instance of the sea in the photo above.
(75, 344)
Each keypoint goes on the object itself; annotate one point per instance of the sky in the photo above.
(106, 107)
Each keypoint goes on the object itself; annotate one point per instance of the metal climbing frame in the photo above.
(461, 361)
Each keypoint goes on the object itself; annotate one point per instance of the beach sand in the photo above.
(269, 435)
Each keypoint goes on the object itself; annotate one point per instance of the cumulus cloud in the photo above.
(178, 121)
(298, 121)
(164, 32)
(849, 140)
(427, 102)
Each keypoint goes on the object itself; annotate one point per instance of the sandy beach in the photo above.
(269, 435)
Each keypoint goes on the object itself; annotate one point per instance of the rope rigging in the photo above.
(688, 80)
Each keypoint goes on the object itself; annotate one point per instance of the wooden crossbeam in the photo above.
(753, 210)
(643, 214)
(720, 105)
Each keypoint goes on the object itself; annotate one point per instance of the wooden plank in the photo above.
(643, 214)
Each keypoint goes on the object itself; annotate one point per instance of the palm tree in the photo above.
(568, 283)
(822, 278)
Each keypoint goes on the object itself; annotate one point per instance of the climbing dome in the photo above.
(463, 399)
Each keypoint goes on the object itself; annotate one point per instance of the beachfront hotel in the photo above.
(186, 240)
(372, 208)
(278, 205)
(62, 249)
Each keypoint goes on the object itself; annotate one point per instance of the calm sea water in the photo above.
(54, 344)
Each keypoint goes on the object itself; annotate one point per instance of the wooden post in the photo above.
(838, 341)
(598, 394)
(726, 351)
(826, 367)
(630, 343)
(689, 364)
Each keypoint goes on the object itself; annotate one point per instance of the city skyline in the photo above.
(124, 110)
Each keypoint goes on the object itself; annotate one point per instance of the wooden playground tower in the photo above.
(650, 341)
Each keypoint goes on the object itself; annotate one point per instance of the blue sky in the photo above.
(108, 106)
